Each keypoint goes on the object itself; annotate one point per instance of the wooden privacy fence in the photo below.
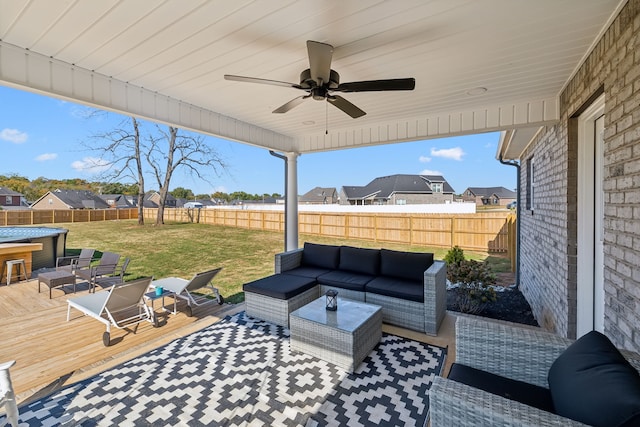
(51, 216)
(486, 231)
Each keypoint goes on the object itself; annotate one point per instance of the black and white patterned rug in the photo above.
(240, 371)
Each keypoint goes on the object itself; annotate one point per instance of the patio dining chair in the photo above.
(107, 266)
(72, 263)
(7, 396)
(108, 280)
(121, 306)
(184, 289)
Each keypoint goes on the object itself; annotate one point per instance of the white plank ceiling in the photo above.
(165, 61)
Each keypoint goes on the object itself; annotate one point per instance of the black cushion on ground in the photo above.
(593, 383)
(322, 256)
(280, 286)
(405, 265)
(310, 272)
(345, 280)
(529, 394)
(398, 288)
(360, 260)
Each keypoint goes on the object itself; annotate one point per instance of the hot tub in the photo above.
(54, 242)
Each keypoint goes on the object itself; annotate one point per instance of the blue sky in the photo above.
(43, 136)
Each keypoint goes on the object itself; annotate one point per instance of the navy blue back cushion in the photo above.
(405, 265)
(593, 383)
(360, 260)
(323, 256)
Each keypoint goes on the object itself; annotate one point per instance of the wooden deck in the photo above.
(51, 352)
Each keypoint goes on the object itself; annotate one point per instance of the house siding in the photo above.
(548, 262)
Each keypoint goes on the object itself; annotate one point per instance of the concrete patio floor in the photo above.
(51, 352)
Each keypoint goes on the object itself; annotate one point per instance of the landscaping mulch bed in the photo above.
(510, 305)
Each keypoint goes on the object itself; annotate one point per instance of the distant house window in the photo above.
(436, 187)
(531, 183)
(401, 202)
(50, 201)
(8, 200)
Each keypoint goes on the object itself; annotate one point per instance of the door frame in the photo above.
(590, 291)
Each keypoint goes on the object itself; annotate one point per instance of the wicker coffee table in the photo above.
(343, 337)
(53, 279)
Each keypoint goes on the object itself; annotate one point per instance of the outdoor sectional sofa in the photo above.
(409, 286)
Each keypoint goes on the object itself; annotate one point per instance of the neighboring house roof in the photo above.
(384, 187)
(4, 191)
(500, 192)
(119, 200)
(319, 195)
(77, 199)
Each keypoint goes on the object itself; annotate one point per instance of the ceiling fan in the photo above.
(320, 81)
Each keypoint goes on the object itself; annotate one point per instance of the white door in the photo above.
(590, 274)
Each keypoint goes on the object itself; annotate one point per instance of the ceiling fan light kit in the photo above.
(320, 81)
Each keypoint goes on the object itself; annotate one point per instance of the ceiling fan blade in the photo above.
(261, 81)
(320, 55)
(377, 85)
(346, 106)
(291, 104)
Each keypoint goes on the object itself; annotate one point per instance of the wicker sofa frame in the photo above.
(523, 354)
(421, 316)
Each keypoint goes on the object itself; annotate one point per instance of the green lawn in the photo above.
(182, 249)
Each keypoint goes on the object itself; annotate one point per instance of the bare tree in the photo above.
(121, 149)
(170, 151)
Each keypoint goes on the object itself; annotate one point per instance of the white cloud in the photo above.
(430, 172)
(91, 165)
(46, 156)
(448, 153)
(13, 135)
(489, 145)
(424, 159)
(220, 188)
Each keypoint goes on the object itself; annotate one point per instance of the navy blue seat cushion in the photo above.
(360, 260)
(280, 286)
(593, 383)
(311, 272)
(529, 394)
(405, 265)
(321, 256)
(398, 288)
(345, 279)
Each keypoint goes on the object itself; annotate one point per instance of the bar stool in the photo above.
(9, 266)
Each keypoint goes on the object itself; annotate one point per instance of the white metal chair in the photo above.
(121, 306)
(7, 396)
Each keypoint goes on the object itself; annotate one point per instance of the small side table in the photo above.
(57, 278)
(152, 296)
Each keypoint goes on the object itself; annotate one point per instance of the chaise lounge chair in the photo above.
(182, 288)
(122, 306)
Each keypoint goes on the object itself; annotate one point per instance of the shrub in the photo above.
(475, 288)
(455, 255)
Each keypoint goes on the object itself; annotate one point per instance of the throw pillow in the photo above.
(593, 383)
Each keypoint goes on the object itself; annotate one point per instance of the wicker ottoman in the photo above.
(343, 337)
(57, 278)
(274, 297)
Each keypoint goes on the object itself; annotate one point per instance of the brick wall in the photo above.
(549, 232)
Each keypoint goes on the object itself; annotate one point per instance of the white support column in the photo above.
(291, 220)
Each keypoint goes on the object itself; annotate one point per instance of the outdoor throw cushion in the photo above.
(322, 256)
(360, 260)
(280, 286)
(398, 288)
(529, 394)
(345, 280)
(593, 383)
(405, 265)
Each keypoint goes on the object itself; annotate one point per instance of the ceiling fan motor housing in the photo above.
(307, 82)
